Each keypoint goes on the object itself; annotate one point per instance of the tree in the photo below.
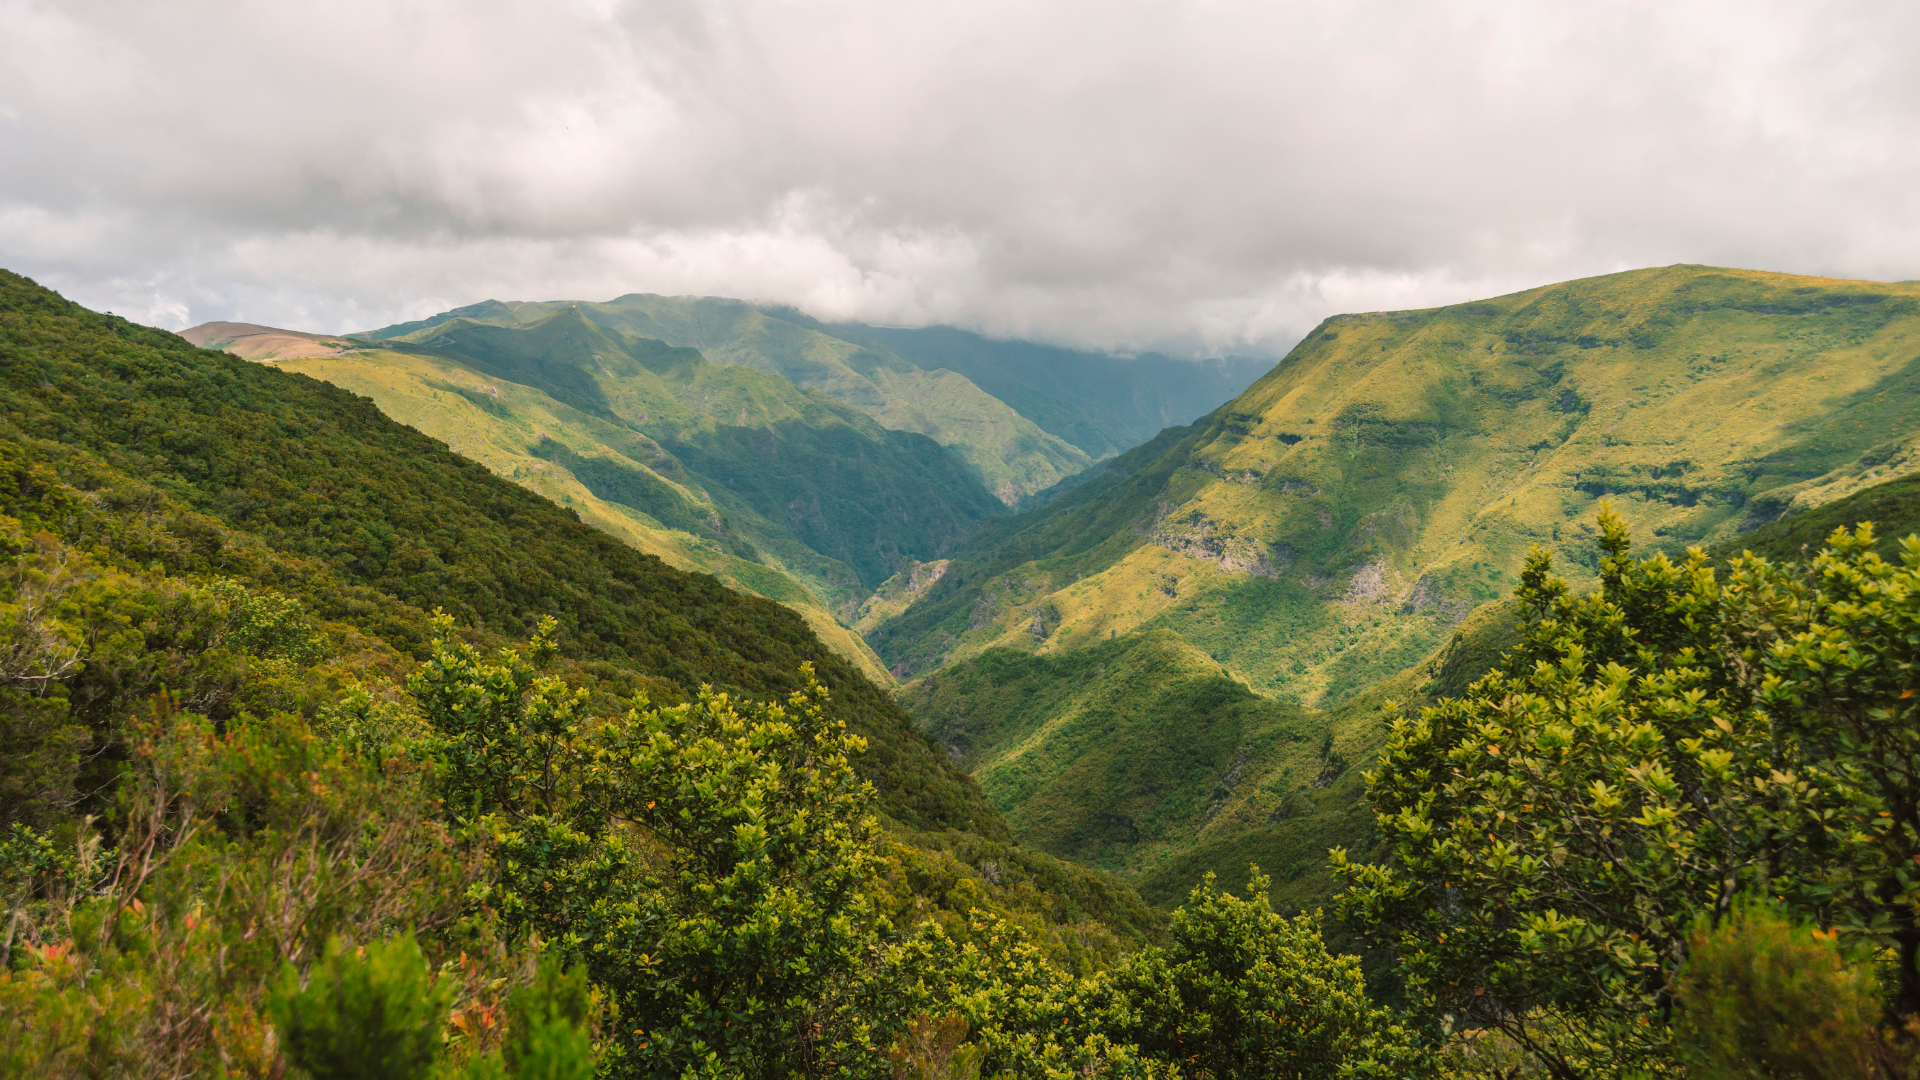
(705, 861)
(1846, 685)
(1241, 991)
(1764, 998)
(1555, 833)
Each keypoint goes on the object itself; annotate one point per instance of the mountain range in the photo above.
(1172, 661)
(1178, 665)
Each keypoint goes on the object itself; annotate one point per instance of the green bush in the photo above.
(372, 1013)
(1242, 991)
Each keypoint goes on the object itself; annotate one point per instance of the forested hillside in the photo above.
(373, 523)
(776, 490)
(1010, 455)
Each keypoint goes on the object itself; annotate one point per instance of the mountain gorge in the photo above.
(394, 640)
(780, 491)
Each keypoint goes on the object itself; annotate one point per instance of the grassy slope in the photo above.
(320, 477)
(1893, 507)
(1141, 756)
(1325, 529)
(155, 466)
(1314, 540)
(766, 471)
(1102, 404)
(501, 424)
(1013, 457)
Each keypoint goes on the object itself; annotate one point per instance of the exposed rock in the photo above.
(1198, 536)
(1425, 597)
(1368, 583)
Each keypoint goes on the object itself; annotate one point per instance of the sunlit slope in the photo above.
(1325, 530)
(516, 431)
(1011, 454)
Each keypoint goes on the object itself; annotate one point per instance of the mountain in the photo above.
(1892, 506)
(780, 491)
(1101, 403)
(1012, 456)
(140, 475)
(1324, 530)
(254, 342)
(1218, 605)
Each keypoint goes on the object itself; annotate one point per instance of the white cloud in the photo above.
(1204, 176)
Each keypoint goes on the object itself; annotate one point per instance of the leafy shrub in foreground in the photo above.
(1762, 998)
(1646, 756)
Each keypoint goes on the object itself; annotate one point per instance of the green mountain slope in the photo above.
(1324, 530)
(1176, 667)
(1102, 404)
(1012, 456)
(1143, 757)
(745, 465)
(1893, 507)
(151, 493)
(230, 463)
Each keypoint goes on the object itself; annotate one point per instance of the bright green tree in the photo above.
(1556, 832)
(1242, 991)
(1846, 686)
(706, 861)
(372, 1013)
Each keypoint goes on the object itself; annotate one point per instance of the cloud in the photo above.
(1203, 176)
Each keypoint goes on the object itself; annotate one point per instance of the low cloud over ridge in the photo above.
(1203, 177)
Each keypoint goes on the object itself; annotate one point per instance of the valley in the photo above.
(1152, 673)
(1175, 662)
(633, 609)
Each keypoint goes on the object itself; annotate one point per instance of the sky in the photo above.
(1202, 177)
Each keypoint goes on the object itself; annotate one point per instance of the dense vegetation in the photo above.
(1603, 845)
(222, 466)
(745, 462)
(1006, 451)
(326, 753)
(1322, 538)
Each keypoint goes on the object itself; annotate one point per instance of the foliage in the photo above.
(368, 1014)
(215, 467)
(933, 1049)
(1763, 997)
(722, 918)
(1240, 990)
(1647, 755)
(1843, 683)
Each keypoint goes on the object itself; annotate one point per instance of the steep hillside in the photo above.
(1327, 528)
(252, 341)
(1893, 508)
(720, 468)
(1103, 404)
(1012, 456)
(232, 467)
(1143, 757)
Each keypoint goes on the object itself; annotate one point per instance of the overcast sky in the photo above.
(1201, 176)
